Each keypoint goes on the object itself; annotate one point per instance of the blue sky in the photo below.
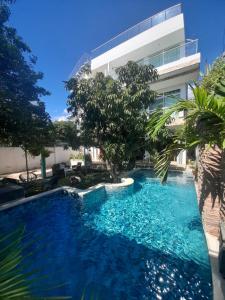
(59, 32)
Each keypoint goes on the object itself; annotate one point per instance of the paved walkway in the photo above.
(36, 171)
(218, 281)
(211, 221)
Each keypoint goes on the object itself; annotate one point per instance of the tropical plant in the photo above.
(112, 112)
(12, 280)
(204, 127)
(204, 124)
(214, 74)
(220, 88)
(15, 283)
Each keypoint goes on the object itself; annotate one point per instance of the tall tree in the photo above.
(214, 75)
(66, 133)
(112, 112)
(23, 119)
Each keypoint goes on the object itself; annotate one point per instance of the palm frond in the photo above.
(164, 159)
(15, 283)
(204, 124)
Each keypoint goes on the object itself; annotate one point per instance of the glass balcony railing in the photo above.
(139, 28)
(165, 100)
(170, 55)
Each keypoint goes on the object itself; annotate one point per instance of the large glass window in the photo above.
(171, 97)
(165, 100)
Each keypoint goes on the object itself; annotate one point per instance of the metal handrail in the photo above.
(84, 59)
(138, 28)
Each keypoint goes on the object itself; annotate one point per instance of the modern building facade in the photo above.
(160, 41)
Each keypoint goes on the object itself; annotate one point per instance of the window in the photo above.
(171, 97)
(165, 100)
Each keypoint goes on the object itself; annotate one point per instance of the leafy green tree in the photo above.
(23, 119)
(66, 133)
(112, 112)
(214, 75)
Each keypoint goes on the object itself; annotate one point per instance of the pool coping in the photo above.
(213, 251)
(125, 182)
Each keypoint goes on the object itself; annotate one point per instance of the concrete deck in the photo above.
(218, 281)
(211, 221)
(36, 171)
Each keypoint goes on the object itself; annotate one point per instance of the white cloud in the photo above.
(63, 117)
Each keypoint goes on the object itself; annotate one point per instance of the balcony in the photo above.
(164, 101)
(171, 55)
(137, 29)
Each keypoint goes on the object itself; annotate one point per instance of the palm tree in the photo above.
(15, 283)
(204, 128)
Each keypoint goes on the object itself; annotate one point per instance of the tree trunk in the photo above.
(26, 159)
(43, 166)
(222, 206)
(211, 180)
(84, 156)
(113, 170)
(111, 167)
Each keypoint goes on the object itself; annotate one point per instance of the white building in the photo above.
(159, 40)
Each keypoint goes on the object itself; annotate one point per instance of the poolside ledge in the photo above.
(125, 182)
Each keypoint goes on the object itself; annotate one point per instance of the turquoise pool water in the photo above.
(141, 242)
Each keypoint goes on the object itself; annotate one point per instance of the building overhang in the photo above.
(178, 72)
(157, 38)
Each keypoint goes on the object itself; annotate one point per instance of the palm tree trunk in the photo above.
(222, 206)
(211, 187)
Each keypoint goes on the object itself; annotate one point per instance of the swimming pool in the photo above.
(141, 242)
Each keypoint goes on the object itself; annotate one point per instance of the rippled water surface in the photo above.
(141, 242)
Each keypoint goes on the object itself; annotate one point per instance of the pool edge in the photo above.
(125, 182)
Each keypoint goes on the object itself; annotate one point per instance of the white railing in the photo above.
(170, 55)
(84, 59)
(138, 28)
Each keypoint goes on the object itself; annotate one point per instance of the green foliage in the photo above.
(214, 75)
(78, 155)
(66, 132)
(204, 124)
(14, 281)
(113, 111)
(220, 88)
(87, 180)
(22, 113)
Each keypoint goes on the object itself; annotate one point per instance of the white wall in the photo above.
(182, 158)
(156, 38)
(12, 159)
